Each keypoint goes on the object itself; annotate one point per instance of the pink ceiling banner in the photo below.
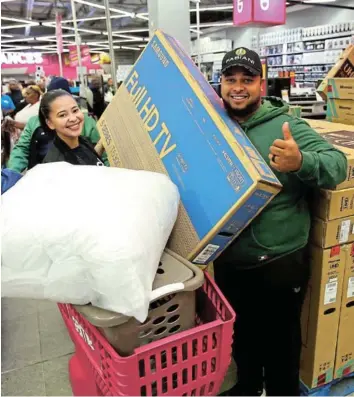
(259, 12)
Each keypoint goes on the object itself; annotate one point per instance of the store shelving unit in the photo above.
(305, 54)
(211, 55)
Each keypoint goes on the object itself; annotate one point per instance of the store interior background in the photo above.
(35, 344)
(297, 16)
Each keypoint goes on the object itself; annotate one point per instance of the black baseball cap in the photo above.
(242, 57)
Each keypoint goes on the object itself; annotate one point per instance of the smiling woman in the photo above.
(60, 113)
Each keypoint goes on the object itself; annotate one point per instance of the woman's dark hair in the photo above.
(44, 107)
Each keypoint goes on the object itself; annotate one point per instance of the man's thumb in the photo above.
(286, 132)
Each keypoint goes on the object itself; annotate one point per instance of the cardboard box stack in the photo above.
(344, 68)
(167, 118)
(328, 312)
(340, 104)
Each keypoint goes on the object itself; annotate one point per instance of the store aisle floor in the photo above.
(35, 349)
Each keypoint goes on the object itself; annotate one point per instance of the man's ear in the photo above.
(261, 82)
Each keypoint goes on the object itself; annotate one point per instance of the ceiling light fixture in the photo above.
(105, 43)
(132, 30)
(7, 45)
(19, 20)
(142, 16)
(89, 3)
(318, 1)
(196, 31)
(130, 48)
(16, 48)
(201, 9)
(17, 26)
(53, 52)
(214, 24)
(41, 47)
(98, 50)
(7, 35)
(16, 40)
(94, 19)
(50, 24)
(214, 8)
(54, 37)
(125, 36)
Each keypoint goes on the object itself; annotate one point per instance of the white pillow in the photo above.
(80, 234)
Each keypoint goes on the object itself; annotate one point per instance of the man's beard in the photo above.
(244, 112)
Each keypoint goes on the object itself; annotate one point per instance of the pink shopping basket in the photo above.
(190, 363)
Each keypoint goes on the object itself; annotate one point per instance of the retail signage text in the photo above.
(21, 58)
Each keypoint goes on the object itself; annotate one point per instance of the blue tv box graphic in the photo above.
(167, 118)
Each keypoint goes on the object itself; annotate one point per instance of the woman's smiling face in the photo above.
(65, 117)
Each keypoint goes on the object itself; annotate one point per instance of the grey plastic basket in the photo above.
(171, 310)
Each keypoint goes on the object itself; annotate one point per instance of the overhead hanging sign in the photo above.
(259, 12)
(85, 56)
(21, 58)
(59, 33)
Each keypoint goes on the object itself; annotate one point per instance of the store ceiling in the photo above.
(129, 31)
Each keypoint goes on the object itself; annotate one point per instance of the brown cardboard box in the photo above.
(342, 137)
(340, 111)
(344, 363)
(166, 118)
(333, 204)
(341, 88)
(320, 315)
(328, 234)
(343, 68)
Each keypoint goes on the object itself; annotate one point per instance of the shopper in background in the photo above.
(42, 85)
(33, 96)
(15, 91)
(60, 113)
(109, 91)
(98, 99)
(8, 177)
(22, 104)
(34, 141)
(264, 273)
(7, 105)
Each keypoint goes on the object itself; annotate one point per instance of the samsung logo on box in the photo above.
(22, 58)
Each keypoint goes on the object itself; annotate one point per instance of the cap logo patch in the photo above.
(238, 58)
(240, 52)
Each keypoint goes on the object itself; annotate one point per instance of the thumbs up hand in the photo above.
(284, 154)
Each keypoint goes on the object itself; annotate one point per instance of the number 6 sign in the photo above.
(256, 12)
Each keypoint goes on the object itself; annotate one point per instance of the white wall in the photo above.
(241, 36)
(305, 18)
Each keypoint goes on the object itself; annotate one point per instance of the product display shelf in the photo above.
(338, 387)
(307, 64)
(292, 53)
(329, 36)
